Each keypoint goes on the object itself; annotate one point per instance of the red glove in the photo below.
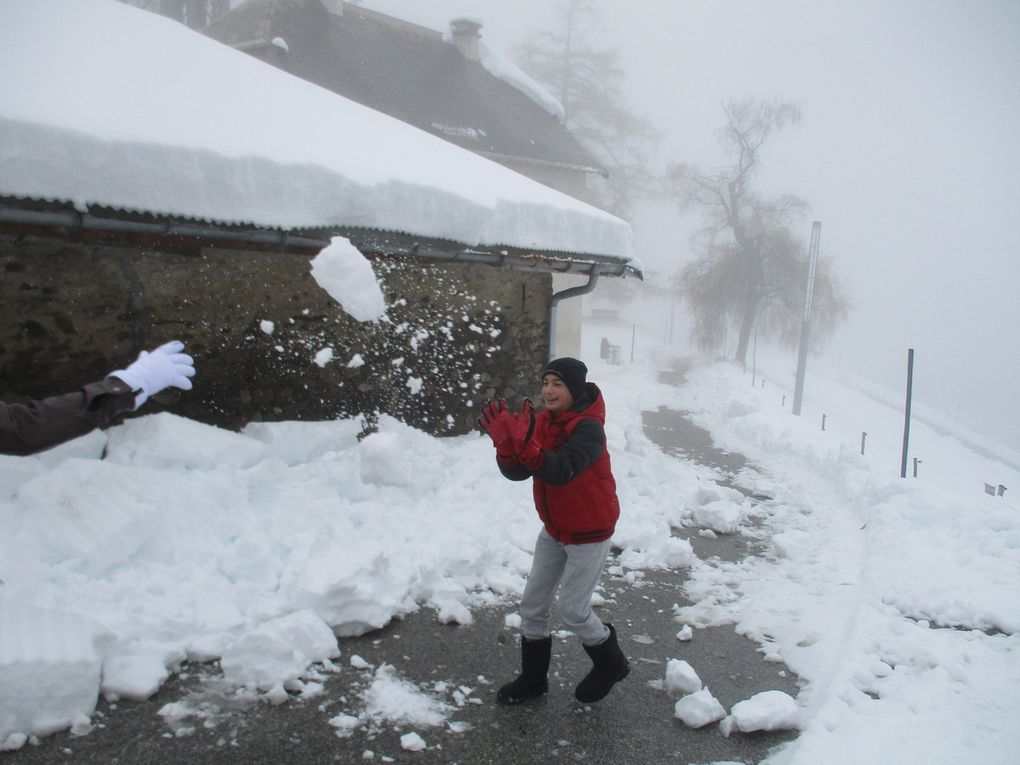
(494, 422)
(522, 433)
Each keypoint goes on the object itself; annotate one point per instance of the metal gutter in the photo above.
(366, 240)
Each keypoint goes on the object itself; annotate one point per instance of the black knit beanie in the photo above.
(571, 371)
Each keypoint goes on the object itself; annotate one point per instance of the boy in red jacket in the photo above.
(563, 450)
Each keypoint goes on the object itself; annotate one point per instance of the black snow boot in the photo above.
(534, 678)
(610, 668)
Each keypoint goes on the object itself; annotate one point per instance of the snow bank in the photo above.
(894, 601)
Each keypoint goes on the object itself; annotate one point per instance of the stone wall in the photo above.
(454, 335)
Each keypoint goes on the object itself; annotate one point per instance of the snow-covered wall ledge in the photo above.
(55, 164)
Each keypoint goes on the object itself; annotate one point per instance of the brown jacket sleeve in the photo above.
(38, 425)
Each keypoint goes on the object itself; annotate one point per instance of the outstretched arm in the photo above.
(38, 425)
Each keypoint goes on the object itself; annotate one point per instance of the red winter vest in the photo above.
(585, 509)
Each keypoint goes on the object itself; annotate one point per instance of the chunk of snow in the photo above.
(347, 276)
(768, 710)
(345, 724)
(324, 356)
(50, 669)
(139, 671)
(681, 677)
(412, 742)
(699, 709)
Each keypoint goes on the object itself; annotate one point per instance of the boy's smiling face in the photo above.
(556, 394)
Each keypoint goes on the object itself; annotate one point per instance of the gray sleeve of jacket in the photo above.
(584, 446)
(38, 425)
(513, 470)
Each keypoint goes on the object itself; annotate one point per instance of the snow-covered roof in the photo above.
(416, 74)
(156, 118)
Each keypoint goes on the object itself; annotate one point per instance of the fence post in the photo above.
(864, 436)
(906, 412)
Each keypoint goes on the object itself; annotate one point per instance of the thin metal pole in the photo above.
(906, 412)
(754, 360)
(805, 324)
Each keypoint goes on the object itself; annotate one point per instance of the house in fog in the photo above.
(143, 199)
(448, 84)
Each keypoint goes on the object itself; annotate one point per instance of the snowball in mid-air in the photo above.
(347, 276)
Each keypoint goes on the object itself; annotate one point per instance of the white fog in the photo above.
(907, 153)
(347, 587)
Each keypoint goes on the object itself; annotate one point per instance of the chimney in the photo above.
(465, 37)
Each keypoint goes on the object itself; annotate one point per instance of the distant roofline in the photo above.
(393, 21)
(496, 156)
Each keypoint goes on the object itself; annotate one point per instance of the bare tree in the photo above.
(588, 82)
(751, 270)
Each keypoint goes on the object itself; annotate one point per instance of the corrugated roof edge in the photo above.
(44, 214)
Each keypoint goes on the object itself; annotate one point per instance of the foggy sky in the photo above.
(908, 153)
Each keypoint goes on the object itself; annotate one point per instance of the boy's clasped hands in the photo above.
(513, 433)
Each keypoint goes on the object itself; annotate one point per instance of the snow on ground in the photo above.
(893, 599)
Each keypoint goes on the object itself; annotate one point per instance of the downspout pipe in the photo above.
(583, 289)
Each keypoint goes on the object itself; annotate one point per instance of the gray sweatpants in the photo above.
(575, 571)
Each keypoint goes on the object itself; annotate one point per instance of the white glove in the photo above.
(152, 372)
